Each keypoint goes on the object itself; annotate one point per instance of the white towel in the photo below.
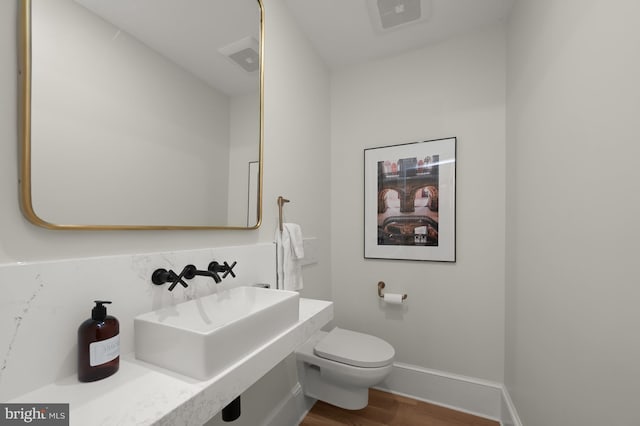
(279, 256)
(290, 254)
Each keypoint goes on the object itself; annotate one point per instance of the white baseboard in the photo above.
(510, 415)
(467, 394)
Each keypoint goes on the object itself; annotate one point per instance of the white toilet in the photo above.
(340, 366)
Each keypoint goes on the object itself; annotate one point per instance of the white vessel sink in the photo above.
(202, 337)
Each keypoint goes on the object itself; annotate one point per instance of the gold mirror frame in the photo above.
(24, 135)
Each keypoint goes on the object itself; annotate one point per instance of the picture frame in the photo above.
(410, 201)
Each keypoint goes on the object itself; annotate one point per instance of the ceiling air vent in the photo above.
(244, 53)
(392, 14)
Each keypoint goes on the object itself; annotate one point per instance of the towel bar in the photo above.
(281, 201)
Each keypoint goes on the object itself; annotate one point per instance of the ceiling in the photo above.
(343, 33)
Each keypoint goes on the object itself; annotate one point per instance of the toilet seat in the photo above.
(353, 348)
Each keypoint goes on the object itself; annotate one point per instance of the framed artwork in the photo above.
(410, 201)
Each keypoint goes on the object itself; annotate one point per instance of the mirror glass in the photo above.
(142, 114)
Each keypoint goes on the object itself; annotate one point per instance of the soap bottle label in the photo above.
(104, 351)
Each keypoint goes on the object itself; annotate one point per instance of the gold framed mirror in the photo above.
(141, 115)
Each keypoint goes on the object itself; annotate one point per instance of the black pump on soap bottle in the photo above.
(98, 345)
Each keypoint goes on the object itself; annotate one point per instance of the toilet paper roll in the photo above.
(393, 298)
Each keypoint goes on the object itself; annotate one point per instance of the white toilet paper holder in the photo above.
(381, 285)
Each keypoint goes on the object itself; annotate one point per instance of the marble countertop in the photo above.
(143, 394)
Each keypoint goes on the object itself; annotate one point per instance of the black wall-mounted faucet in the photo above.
(162, 276)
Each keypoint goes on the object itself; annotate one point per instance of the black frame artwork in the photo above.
(410, 201)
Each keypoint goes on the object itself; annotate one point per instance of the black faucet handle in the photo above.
(189, 271)
(224, 268)
(229, 270)
(161, 276)
(177, 279)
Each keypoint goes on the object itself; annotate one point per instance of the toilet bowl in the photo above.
(339, 367)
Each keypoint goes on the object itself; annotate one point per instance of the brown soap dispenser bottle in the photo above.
(98, 345)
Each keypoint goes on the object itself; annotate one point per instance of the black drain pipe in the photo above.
(232, 411)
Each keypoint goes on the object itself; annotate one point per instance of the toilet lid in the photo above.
(353, 348)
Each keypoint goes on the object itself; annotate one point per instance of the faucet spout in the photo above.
(191, 271)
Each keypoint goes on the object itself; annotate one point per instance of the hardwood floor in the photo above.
(391, 410)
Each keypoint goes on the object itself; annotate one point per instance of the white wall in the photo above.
(572, 345)
(454, 316)
(297, 131)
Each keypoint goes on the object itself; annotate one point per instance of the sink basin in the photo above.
(202, 337)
